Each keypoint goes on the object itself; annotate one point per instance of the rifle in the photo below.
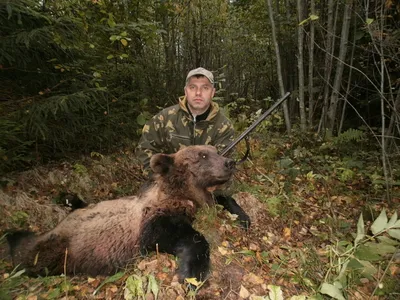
(254, 125)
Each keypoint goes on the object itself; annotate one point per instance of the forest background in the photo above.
(81, 77)
(74, 73)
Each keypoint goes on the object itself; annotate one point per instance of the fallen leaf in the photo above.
(259, 258)
(173, 264)
(94, 282)
(113, 288)
(254, 247)
(192, 281)
(303, 231)
(275, 292)
(247, 259)
(253, 279)
(244, 293)
(162, 276)
(233, 217)
(225, 244)
(222, 250)
(90, 279)
(394, 270)
(286, 233)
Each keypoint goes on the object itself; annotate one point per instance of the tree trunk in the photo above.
(168, 39)
(394, 119)
(330, 38)
(345, 100)
(300, 64)
(311, 68)
(383, 138)
(344, 39)
(279, 67)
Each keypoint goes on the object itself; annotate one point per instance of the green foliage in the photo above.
(64, 96)
(345, 174)
(362, 258)
(346, 142)
(19, 218)
(290, 171)
(80, 169)
(350, 135)
(274, 205)
(135, 287)
(350, 162)
(244, 112)
(110, 279)
(14, 149)
(14, 280)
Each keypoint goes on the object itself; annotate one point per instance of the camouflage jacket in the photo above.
(174, 127)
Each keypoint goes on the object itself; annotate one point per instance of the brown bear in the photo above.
(105, 237)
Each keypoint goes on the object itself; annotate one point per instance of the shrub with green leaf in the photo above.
(364, 257)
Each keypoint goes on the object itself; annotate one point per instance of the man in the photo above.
(195, 120)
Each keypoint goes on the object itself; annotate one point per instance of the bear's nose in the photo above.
(230, 164)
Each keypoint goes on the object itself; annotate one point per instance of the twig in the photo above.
(65, 261)
(65, 272)
(383, 275)
(259, 171)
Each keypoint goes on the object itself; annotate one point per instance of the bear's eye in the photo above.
(203, 155)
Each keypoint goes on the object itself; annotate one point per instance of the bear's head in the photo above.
(192, 172)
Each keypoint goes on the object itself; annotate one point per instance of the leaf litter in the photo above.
(285, 254)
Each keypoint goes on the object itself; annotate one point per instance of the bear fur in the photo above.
(103, 238)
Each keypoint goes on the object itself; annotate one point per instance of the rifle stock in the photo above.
(255, 124)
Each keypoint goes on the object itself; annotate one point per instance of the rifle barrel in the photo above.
(255, 124)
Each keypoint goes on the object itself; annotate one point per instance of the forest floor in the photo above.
(304, 222)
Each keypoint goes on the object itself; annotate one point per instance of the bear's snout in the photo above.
(230, 164)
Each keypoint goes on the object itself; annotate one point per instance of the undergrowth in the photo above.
(320, 228)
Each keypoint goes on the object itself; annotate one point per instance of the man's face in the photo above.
(199, 93)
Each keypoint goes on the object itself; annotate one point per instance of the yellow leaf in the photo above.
(124, 42)
(286, 233)
(369, 21)
(244, 293)
(223, 250)
(36, 259)
(225, 243)
(192, 281)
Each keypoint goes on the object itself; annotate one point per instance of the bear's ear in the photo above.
(161, 163)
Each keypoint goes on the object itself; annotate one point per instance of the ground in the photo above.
(302, 226)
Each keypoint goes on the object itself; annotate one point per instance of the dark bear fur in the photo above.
(104, 238)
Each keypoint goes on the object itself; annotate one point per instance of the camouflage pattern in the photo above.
(174, 128)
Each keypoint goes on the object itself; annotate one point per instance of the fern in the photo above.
(350, 135)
